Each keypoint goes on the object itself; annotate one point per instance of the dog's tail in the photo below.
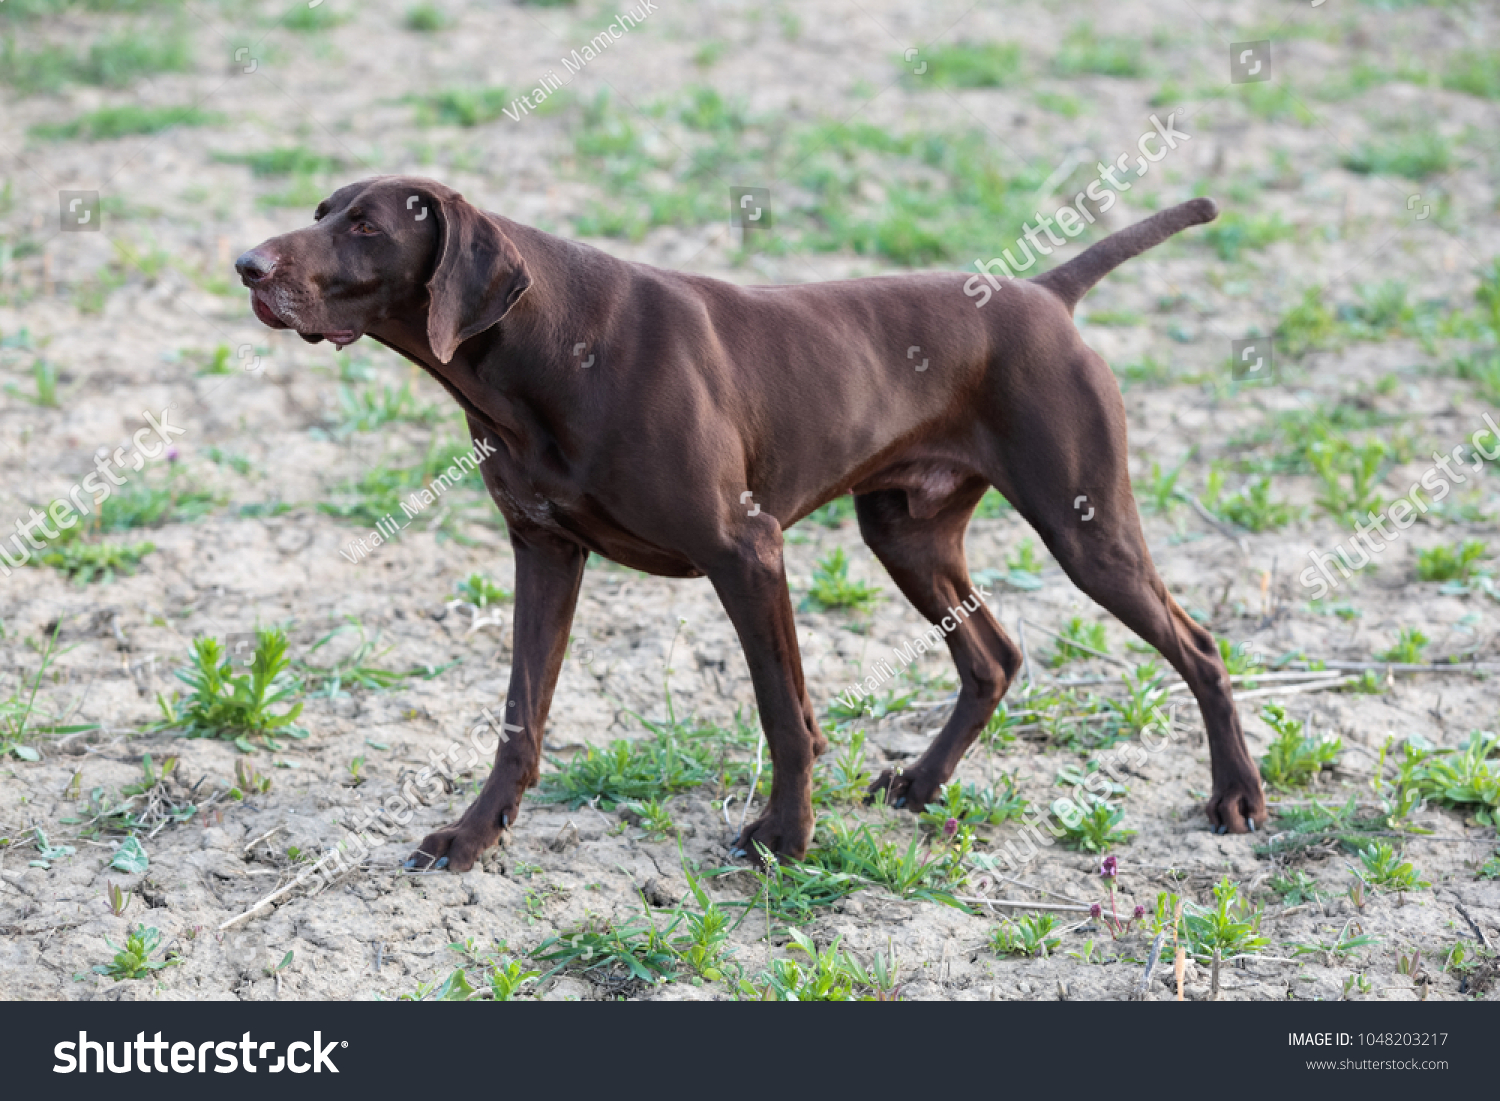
(1071, 281)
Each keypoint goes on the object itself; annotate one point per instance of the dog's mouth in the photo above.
(267, 315)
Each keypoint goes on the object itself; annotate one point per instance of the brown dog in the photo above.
(635, 411)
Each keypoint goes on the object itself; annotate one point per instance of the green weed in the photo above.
(1029, 935)
(971, 805)
(1476, 72)
(1084, 51)
(1467, 778)
(223, 704)
(1229, 926)
(1411, 156)
(477, 589)
(974, 65)
(636, 949)
(829, 975)
(426, 19)
(831, 589)
(1076, 639)
(1408, 648)
(1292, 759)
(1096, 829)
(109, 123)
(134, 960)
(462, 106)
(1384, 868)
(1234, 233)
(1458, 563)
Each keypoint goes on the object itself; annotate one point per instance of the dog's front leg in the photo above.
(549, 572)
(751, 583)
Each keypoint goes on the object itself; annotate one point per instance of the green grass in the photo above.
(992, 506)
(1229, 926)
(972, 65)
(1274, 101)
(1084, 51)
(1293, 760)
(1234, 233)
(1476, 72)
(1410, 643)
(283, 161)
(1096, 829)
(306, 20)
(931, 873)
(1456, 563)
(1467, 778)
(113, 62)
(1384, 869)
(971, 805)
(426, 19)
(1029, 935)
(381, 489)
(1082, 633)
(135, 961)
(369, 408)
(462, 106)
(675, 759)
(942, 195)
(635, 949)
(1410, 156)
(831, 589)
(236, 706)
(1252, 508)
(478, 590)
(1308, 326)
(834, 514)
(108, 123)
(829, 975)
(85, 562)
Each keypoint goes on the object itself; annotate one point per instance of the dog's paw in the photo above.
(456, 847)
(1237, 806)
(908, 789)
(787, 835)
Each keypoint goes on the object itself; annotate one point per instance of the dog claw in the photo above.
(1251, 823)
(411, 863)
(901, 802)
(442, 862)
(505, 821)
(1221, 829)
(735, 854)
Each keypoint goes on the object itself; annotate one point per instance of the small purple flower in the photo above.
(171, 454)
(1110, 868)
(1140, 912)
(1096, 910)
(950, 828)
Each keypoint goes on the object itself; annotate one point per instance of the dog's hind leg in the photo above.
(1064, 467)
(925, 557)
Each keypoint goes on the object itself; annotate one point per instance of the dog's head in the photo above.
(392, 246)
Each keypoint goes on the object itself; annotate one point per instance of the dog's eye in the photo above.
(365, 229)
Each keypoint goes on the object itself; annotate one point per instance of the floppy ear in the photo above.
(479, 276)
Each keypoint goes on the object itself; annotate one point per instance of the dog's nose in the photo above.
(254, 266)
